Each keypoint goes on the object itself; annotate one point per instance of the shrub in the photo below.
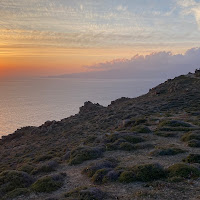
(194, 143)
(127, 177)
(132, 139)
(99, 175)
(11, 180)
(190, 136)
(167, 152)
(149, 172)
(48, 184)
(85, 193)
(165, 134)
(192, 158)
(106, 163)
(45, 167)
(81, 154)
(183, 170)
(111, 176)
(182, 129)
(126, 146)
(141, 129)
(175, 179)
(44, 158)
(140, 121)
(28, 168)
(174, 123)
(16, 193)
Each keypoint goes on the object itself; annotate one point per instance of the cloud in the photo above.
(191, 7)
(160, 64)
(121, 8)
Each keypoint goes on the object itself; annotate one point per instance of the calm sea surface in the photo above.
(32, 102)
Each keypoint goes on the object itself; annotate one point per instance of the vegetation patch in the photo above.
(194, 143)
(192, 158)
(183, 170)
(108, 163)
(48, 184)
(11, 180)
(190, 136)
(86, 193)
(28, 168)
(16, 193)
(141, 129)
(126, 146)
(81, 154)
(98, 177)
(123, 141)
(45, 167)
(127, 177)
(165, 134)
(174, 123)
(149, 172)
(167, 152)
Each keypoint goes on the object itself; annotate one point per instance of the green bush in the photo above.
(164, 134)
(140, 121)
(126, 146)
(81, 154)
(16, 193)
(133, 139)
(99, 175)
(167, 151)
(85, 193)
(47, 184)
(127, 177)
(141, 129)
(174, 123)
(149, 172)
(194, 143)
(192, 158)
(11, 180)
(181, 129)
(183, 170)
(190, 136)
(28, 168)
(108, 163)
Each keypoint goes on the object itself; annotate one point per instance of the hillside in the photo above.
(141, 148)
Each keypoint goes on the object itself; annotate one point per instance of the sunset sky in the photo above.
(50, 37)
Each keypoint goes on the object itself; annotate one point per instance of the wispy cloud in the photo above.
(121, 8)
(191, 7)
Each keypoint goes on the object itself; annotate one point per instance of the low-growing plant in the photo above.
(81, 154)
(194, 143)
(126, 146)
(149, 172)
(174, 123)
(47, 184)
(11, 180)
(99, 175)
(192, 158)
(190, 136)
(127, 177)
(16, 193)
(141, 129)
(85, 193)
(167, 151)
(183, 170)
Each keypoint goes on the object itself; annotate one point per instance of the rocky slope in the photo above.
(141, 148)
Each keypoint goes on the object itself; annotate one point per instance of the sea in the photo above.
(34, 101)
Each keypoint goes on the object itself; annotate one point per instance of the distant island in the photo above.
(135, 148)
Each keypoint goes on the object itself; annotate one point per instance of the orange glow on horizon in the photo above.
(56, 61)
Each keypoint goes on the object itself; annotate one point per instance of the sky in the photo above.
(52, 37)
